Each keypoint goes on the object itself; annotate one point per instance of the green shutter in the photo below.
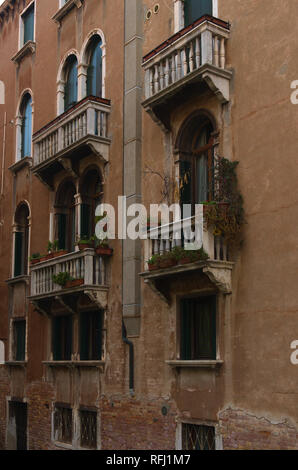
(68, 338)
(84, 336)
(97, 335)
(185, 322)
(28, 20)
(56, 338)
(18, 254)
(194, 9)
(62, 231)
(85, 221)
(20, 338)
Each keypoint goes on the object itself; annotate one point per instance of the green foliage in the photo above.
(193, 255)
(225, 214)
(155, 259)
(35, 256)
(62, 278)
(52, 247)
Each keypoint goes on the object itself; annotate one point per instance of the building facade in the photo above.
(143, 99)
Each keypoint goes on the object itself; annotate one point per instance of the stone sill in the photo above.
(65, 9)
(63, 445)
(16, 363)
(20, 164)
(28, 48)
(195, 364)
(96, 364)
(15, 280)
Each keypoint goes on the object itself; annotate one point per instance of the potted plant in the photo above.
(167, 260)
(154, 263)
(35, 258)
(102, 247)
(61, 278)
(85, 242)
(56, 251)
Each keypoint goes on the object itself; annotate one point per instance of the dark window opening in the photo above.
(62, 338)
(198, 329)
(21, 241)
(71, 83)
(94, 71)
(66, 217)
(92, 193)
(198, 437)
(19, 340)
(91, 336)
(88, 425)
(18, 424)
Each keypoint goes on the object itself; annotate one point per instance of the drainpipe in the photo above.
(131, 359)
(3, 155)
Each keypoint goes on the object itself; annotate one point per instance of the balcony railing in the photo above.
(84, 265)
(88, 118)
(187, 55)
(164, 238)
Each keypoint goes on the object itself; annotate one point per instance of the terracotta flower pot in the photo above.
(185, 260)
(104, 251)
(83, 246)
(168, 263)
(153, 267)
(60, 253)
(35, 261)
(74, 283)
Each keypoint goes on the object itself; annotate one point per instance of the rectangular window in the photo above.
(19, 340)
(63, 424)
(88, 427)
(194, 9)
(198, 437)
(62, 338)
(198, 328)
(28, 25)
(91, 336)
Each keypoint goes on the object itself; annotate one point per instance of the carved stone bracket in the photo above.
(99, 297)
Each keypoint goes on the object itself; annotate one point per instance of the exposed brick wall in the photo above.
(4, 392)
(133, 425)
(40, 397)
(242, 430)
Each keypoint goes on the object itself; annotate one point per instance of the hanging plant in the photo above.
(225, 213)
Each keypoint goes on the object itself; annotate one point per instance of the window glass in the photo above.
(28, 24)
(71, 85)
(194, 9)
(198, 329)
(26, 127)
(19, 328)
(94, 73)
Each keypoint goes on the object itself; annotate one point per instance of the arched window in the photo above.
(71, 82)
(194, 9)
(26, 126)
(66, 216)
(21, 240)
(94, 71)
(196, 165)
(91, 193)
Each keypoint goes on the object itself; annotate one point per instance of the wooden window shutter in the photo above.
(62, 231)
(18, 254)
(28, 19)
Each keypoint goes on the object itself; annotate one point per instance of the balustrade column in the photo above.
(207, 47)
(88, 266)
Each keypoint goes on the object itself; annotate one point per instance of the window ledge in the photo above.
(65, 9)
(16, 363)
(96, 364)
(195, 364)
(20, 164)
(63, 445)
(15, 280)
(28, 48)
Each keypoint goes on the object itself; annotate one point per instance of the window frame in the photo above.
(21, 24)
(14, 338)
(179, 21)
(63, 357)
(201, 294)
(91, 345)
(55, 437)
(179, 431)
(94, 412)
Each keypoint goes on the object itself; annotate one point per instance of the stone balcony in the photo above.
(163, 239)
(81, 130)
(86, 266)
(196, 55)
